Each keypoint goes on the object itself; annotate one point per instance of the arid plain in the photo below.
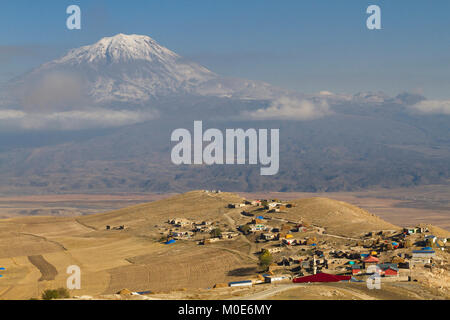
(37, 250)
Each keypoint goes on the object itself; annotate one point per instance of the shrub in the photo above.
(265, 260)
(245, 229)
(216, 233)
(60, 293)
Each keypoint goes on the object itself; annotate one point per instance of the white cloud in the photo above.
(288, 108)
(72, 120)
(11, 114)
(54, 92)
(433, 106)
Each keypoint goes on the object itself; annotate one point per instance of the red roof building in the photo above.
(321, 277)
(390, 272)
(371, 259)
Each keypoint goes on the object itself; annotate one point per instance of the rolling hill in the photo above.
(32, 248)
(338, 217)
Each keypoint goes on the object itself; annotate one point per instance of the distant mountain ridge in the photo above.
(136, 69)
(99, 119)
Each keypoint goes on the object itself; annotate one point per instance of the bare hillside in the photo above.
(126, 248)
(338, 217)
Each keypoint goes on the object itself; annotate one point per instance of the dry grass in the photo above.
(134, 259)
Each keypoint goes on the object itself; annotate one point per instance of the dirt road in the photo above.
(47, 270)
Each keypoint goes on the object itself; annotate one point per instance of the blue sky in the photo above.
(306, 46)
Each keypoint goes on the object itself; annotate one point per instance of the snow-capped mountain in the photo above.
(131, 69)
(124, 68)
(121, 49)
(131, 72)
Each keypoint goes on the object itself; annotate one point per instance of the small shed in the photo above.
(356, 269)
(244, 283)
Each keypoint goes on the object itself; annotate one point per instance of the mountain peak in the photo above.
(134, 69)
(131, 39)
(120, 48)
(126, 68)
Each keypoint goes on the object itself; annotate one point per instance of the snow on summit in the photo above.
(126, 69)
(121, 48)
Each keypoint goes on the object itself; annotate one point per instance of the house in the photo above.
(272, 250)
(277, 278)
(410, 230)
(430, 239)
(268, 236)
(244, 283)
(370, 260)
(203, 229)
(289, 242)
(423, 256)
(354, 255)
(397, 260)
(285, 262)
(257, 227)
(247, 214)
(300, 228)
(306, 264)
(229, 235)
(178, 234)
(296, 259)
(421, 229)
(179, 222)
(211, 240)
(424, 253)
(356, 269)
(441, 243)
(388, 269)
(202, 223)
(391, 272)
(236, 205)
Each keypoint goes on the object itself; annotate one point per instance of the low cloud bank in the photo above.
(71, 120)
(432, 107)
(288, 108)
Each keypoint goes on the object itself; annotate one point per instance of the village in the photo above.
(299, 252)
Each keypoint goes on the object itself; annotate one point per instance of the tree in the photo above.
(60, 293)
(265, 260)
(216, 233)
(245, 229)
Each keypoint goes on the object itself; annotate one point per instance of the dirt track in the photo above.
(47, 270)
